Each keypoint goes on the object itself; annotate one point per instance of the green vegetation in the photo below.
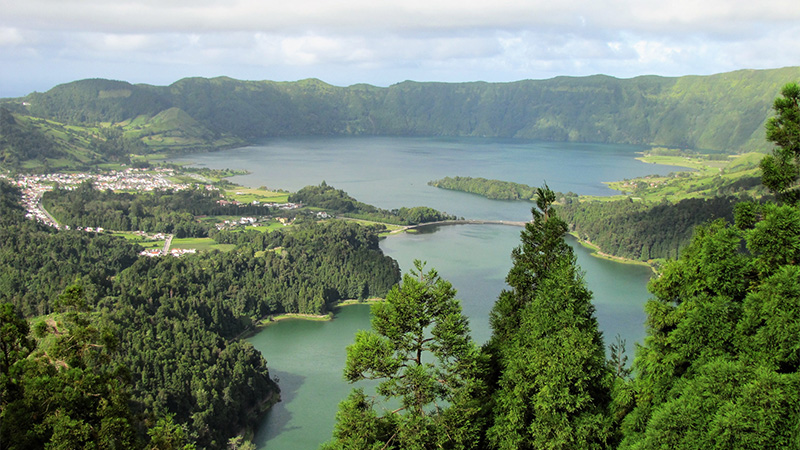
(161, 211)
(711, 177)
(338, 202)
(491, 189)
(83, 124)
(657, 217)
(547, 316)
(126, 352)
(640, 231)
(174, 323)
(782, 168)
(719, 368)
(420, 350)
(200, 244)
(261, 195)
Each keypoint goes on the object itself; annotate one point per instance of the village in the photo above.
(34, 186)
(130, 179)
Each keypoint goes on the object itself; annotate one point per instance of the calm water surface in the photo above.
(308, 357)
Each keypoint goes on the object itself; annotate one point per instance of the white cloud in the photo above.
(350, 41)
(10, 37)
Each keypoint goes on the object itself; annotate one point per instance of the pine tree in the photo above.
(420, 350)
(552, 382)
(781, 170)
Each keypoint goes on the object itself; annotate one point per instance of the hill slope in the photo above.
(724, 112)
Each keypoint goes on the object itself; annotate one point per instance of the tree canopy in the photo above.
(420, 350)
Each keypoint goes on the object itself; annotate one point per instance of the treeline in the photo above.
(162, 211)
(491, 189)
(174, 324)
(642, 231)
(339, 202)
(630, 229)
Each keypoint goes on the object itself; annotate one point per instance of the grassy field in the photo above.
(248, 195)
(200, 244)
(146, 243)
(272, 226)
(705, 180)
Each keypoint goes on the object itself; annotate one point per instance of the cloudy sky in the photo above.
(381, 42)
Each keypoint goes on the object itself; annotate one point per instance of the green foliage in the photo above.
(162, 211)
(339, 202)
(167, 435)
(68, 393)
(552, 383)
(20, 142)
(173, 322)
(420, 350)
(782, 168)
(642, 231)
(491, 189)
(719, 368)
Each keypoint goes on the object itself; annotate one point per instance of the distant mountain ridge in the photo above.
(723, 112)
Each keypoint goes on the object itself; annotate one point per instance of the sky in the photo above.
(381, 42)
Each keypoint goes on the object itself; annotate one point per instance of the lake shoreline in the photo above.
(597, 252)
(331, 315)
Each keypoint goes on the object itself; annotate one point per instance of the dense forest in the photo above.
(339, 202)
(153, 341)
(642, 231)
(724, 112)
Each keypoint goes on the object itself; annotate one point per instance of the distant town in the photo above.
(34, 186)
(131, 179)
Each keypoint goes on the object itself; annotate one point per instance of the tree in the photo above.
(781, 170)
(420, 349)
(67, 394)
(168, 435)
(553, 383)
(720, 366)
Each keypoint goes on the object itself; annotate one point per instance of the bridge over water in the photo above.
(464, 222)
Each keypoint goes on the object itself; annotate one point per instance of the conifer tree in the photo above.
(552, 381)
(720, 366)
(420, 350)
(781, 170)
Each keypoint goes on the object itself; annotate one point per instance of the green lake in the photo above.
(308, 357)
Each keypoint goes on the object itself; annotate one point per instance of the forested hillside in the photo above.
(724, 112)
(641, 231)
(154, 341)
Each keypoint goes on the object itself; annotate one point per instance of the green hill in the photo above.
(724, 112)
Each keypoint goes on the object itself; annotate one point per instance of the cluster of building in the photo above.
(153, 252)
(283, 206)
(34, 186)
(234, 223)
